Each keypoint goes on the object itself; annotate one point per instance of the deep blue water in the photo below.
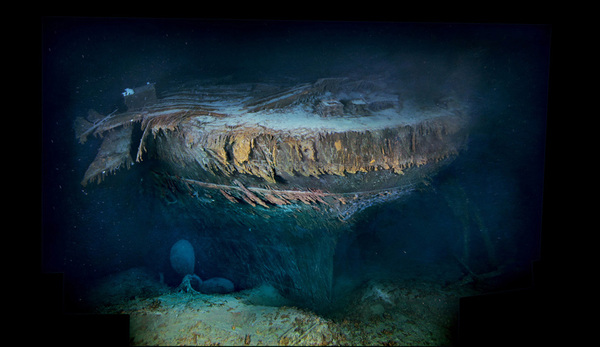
(89, 232)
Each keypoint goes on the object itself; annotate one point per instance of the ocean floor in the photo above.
(376, 312)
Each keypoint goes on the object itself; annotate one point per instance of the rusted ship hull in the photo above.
(301, 159)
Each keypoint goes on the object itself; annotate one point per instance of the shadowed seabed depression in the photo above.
(285, 183)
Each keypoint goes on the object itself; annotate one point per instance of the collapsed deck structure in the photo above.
(275, 172)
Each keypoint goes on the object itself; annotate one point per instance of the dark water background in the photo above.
(90, 232)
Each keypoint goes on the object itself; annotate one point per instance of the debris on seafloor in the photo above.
(409, 313)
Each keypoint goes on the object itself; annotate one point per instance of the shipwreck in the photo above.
(275, 172)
